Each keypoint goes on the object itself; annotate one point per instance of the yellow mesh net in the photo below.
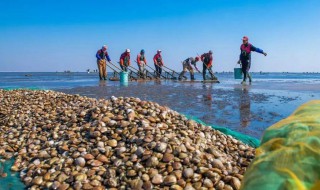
(289, 154)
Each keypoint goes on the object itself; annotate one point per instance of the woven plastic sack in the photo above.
(289, 155)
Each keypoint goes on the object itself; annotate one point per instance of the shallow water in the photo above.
(246, 109)
(53, 80)
(249, 109)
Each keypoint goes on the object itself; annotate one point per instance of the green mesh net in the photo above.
(242, 137)
(26, 88)
(12, 181)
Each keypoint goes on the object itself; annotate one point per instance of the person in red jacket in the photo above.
(158, 63)
(125, 60)
(142, 62)
(102, 57)
(206, 59)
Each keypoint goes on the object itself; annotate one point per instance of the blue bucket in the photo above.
(237, 73)
(123, 77)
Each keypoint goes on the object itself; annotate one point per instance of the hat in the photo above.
(159, 50)
(245, 38)
(210, 51)
(104, 46)
(128, 50)
(142, 51)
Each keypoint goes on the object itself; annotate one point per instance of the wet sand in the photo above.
(248, 109)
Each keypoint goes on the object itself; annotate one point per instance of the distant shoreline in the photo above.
(220, 72)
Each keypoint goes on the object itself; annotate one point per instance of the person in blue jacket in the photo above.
(245, 57)
(102, 57)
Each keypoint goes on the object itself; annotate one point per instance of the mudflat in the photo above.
(248, 109)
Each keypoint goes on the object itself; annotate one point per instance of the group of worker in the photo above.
(188, 64)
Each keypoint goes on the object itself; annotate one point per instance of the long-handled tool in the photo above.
(210, 72)
(143, 73)
(195, 68)
(189, 71)
(207, 68)
(139, 74)
(172, 75)
(115, 66)
(156, 72)
(198, 70)
(151, 73)
(131, 71)
(115, 72)
(136, 71)
(173, 72)
(169, 69)
(130, 74)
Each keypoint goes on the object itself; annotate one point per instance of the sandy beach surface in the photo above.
(248, 109)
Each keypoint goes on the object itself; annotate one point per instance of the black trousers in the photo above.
(245, 67)
(158, 69)
(124, 68)
(204, 70)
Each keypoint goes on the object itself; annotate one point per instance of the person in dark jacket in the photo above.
(102, 57)
(245, 57)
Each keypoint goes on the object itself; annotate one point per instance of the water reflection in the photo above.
(207, 95)
(244, 107)
(124, 84)
(221, 107)
(157, 82)
(102, 83)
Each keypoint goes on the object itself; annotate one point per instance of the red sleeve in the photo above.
(155, 58)
(210, 62)
(202, 57)
(121, 59)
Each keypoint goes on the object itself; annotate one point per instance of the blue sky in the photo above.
(65, 35)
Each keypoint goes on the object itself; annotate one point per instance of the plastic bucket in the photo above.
(237, 73)
(123, 77)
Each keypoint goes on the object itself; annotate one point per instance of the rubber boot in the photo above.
(181, 75)
(192, 76)
(212, 76)
(249, 76)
